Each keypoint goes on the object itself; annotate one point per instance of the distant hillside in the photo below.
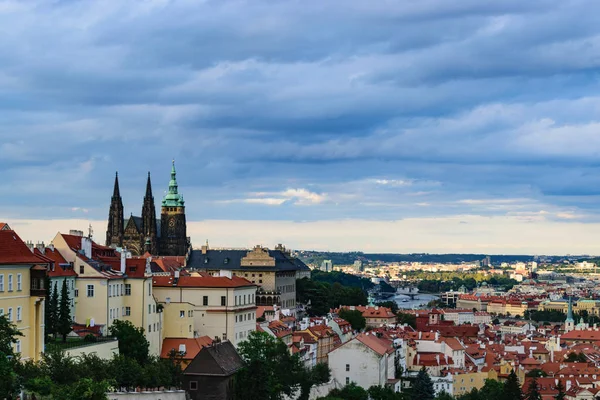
(317, 257)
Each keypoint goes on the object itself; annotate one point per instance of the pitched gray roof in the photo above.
(219, 359)
(232, 259)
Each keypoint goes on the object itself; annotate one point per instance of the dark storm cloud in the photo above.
(302, 110)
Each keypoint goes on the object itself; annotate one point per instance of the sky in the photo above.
(379, 126)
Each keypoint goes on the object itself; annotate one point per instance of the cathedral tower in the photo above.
(149, 232)
(173, 236)
(114, 232)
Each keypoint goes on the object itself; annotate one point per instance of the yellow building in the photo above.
(110, 286)
(465, 382)
(22, 293)
(222, 307)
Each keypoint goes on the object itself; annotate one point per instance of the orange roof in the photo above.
(379, 346)
(581, 335)
(14, 251)
(61, 266)
(192, 346)
(201, 281)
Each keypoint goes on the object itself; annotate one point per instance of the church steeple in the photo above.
(569, 322)
(114, 231)
(173, 233)
(149, 232)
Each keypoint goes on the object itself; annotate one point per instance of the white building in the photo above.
(365, 360)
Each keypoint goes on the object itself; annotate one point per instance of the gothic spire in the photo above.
(148, 188)
(116, 192)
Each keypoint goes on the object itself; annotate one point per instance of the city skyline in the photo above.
(409, 127)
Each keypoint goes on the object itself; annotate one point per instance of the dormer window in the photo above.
(226, 261)
(206, 260)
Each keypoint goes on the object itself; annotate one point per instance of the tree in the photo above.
(270, 373)
(349, 392)
(576, 357)
(536, 372)
(354, 317)
(52, 321)
(561, 395)
(383, 393)
(48, 312)
(132, 341)
(392, 305)
(444, 396)
(405, 318)
(492, 390)
(9, 363)
(496, 321)
(423, 387)
(512, 388)
(533, 390)
(64, 323)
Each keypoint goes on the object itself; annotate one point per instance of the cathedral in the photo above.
(166, 237)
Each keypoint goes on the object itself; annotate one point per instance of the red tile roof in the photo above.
(379, 346)
(14, 251)
(192, 346)
(60, 267)
(201, 281)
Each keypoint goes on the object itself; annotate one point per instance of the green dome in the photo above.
(173, 198)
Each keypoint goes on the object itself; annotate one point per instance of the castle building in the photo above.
(139, 235)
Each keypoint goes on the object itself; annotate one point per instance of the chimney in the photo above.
(437, 358)
(51, 247)
(437, 336)
(418, 358)
(204, 248)
(225, 273)
(182, 348)
(41, 247)
(420, 335)
(86, 246)
(30, 245)
(123, 262)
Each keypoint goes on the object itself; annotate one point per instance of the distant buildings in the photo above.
(326, 266)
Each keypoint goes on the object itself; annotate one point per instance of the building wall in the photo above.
(366, 367)
(144, 311)
(104, 350)
(161, 395)
(175, 325)
(30, 322)
(215, 320)
(464, 383)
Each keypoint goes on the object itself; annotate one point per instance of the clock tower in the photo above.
(173, 240)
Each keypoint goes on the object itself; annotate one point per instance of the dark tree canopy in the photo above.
(132, 341)
(354, 317)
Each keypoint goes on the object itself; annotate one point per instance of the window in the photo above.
(253, 298)
(1, 282)
(9, 314)
(244, 299)
(127, 311)
(110, 314)
(149, 289)
(181, 314)
(205, 300)
(1, 312)
(19, 312)
(193, 385)
(260, 281)
(190, 328)
(149, 308)
(127, 289)
(18, 346)
(90, 290)
(347, 380)
(19, 282)
(236, 318)
(10, 282)
(223, 300)
(81, 269)
(347, 367)
(150, 328)
(76, 294)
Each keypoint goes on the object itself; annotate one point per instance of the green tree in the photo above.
(354, 317)
(132, 341)
(9, 361)
(48, 312)
(422, 388)
(52, 322)
(561, 395)
(444, 396)
(392, 305)
(533, 390)
(405, 318)
(127, 371)
(492, 390)
(536, 372)
(382, 393)
(349, 392)
(270, 373)
(576, 357)
(512, 388)
(64, 323)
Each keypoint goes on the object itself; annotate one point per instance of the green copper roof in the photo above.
(173, 198)
(570, 312)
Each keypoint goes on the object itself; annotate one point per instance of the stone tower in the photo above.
(114, 232)
(173, 226)
(149, 233)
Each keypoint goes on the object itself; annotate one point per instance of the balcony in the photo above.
(37, 279)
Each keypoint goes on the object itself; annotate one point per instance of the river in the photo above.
(420, 300)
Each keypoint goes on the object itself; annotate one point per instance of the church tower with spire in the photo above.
(173, 232)
(570, 321)
(114, 232)
(149, 232)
